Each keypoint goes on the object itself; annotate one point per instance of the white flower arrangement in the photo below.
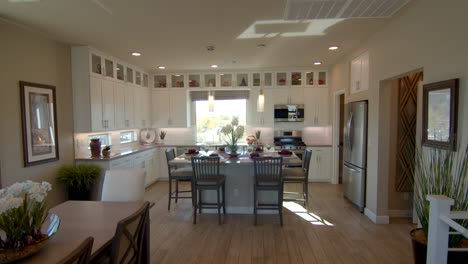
(232, 132)
(22, 213)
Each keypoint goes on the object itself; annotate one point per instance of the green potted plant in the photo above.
(439, 172)
(162, 135)
(79, 179)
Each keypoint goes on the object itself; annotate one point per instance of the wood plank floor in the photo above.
(333, 231)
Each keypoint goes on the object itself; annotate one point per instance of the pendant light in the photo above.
(261, 101)
(211, 101)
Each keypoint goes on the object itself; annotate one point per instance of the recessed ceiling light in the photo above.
(214, 66)
(136, 54)
(333, 47)
(262, 45)
(317, 63)
(161, 67)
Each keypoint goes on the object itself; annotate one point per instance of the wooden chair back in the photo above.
(268, 170)
(205, 168)
(81, 254)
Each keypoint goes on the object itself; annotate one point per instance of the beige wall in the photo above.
(427, 34)
(29, 56)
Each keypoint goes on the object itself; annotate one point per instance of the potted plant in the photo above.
(162, 135)
(79, 179)
(439, 172)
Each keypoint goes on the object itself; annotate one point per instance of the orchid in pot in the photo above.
(232, 133)
(23, 210)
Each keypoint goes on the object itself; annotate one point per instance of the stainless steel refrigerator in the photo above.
(355, 153)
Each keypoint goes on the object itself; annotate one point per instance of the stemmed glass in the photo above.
(268, 147)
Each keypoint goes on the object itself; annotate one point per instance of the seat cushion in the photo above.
(293, 173)
(182, 172)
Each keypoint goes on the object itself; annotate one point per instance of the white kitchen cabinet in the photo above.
(102, 104)
(359, 73)
(142, 106)
(265, 118)
(320, 164)
(170, 108)
(316, 109)
(98, 81)
(289, 95)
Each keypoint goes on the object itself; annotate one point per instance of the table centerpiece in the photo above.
(22, 215)
(232, 133)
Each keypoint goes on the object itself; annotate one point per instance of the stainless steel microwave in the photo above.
(289, 113)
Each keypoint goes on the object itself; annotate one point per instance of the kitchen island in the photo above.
(239, 173)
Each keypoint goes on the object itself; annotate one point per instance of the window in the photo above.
(127, 137)
(209, 123)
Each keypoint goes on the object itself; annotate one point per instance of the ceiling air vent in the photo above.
(329, 9)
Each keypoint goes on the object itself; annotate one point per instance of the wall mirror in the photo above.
(440, 107)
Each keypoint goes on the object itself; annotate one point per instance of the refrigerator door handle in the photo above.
(350, 168)
(349, 125)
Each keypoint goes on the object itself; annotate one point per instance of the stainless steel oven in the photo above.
(290, 140)
(289, 113)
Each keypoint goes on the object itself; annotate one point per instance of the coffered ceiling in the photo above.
(175, 33)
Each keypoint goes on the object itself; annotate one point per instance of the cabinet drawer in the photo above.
(123, 163)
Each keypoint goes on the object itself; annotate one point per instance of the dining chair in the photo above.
(268, 177)
(299, 175)
(131, 239)
(123, 185)
(207, 177)
(81, 255)
(177, 174)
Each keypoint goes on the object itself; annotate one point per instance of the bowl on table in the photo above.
(191, 152)
(285, 152)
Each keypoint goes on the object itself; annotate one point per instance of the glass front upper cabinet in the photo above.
(129, 75)
(210, 80)
(120, 72)
(96, 64)
(267, 79)
(255, 79)
(138, 77)
(145, 80)
(309, 78)
(194, 80)
(177, 80)
(226, 79)
(109, 68)
(242, 79)
(281, 78)
(322, 78)
(160, 81)
(296, 78)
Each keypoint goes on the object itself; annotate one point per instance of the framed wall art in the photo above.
(39, 118)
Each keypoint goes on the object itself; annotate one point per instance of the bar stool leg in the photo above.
(200, 201)
(195, 206)
(170, 194)
(255, 204)
(280, 205)
(219, 205)
(176, 190)
(224, 197)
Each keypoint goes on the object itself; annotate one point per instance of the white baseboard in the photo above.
(400, 213)
(240, 210)
(377, 219)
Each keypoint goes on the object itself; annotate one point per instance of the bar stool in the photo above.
(177, 174)
(268, 177)
(299, 175)
(207, 177)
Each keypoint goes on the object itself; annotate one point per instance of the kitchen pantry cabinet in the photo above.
(103, 91)
(316, 106)
(265, 118)
(320, 164)
(360, 73)
(170, 108)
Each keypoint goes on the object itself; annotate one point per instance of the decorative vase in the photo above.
(233, 151)
(95, 146)
(75, 194)
(49, 228)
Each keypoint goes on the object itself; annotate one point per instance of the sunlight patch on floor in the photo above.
(301, 211)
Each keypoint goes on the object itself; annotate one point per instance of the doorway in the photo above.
(338, 136)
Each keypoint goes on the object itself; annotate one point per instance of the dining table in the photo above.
(239, 172)
(82, 219)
